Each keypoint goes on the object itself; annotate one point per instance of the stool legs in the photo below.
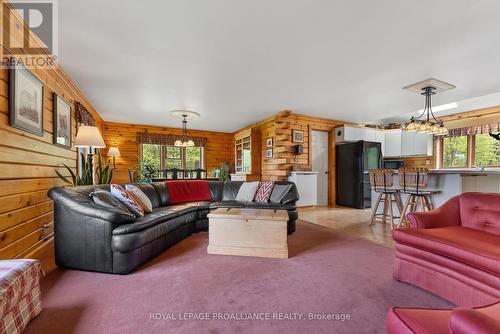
(387, 214)
(375, 209)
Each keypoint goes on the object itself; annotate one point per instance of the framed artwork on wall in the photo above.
(25, 100)
(297, 136)
(269, 153)
(62, 122)
(269, 142)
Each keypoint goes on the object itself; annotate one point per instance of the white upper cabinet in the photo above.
(395, 142)
(355, 133)
(413, 143)
(392, 143)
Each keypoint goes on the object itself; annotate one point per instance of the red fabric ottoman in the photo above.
(20, 299)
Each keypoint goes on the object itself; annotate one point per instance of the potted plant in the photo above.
(221, 172)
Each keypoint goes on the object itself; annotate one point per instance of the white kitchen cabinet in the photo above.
(413, 143)
(354, 133)
(380, 138)
(392, 143)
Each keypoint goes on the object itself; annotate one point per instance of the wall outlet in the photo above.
(427, 162)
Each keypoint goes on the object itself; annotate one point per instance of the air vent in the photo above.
(440, 86)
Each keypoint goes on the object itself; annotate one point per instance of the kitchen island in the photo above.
(455, 181)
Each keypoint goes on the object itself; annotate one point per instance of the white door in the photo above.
(320, 164)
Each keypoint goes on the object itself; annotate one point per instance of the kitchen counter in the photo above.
(450, 182)
(466, 171)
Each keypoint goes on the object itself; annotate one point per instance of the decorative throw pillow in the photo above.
(279, 192)
(247, 191)
(127, 199)
(105, 199)
(264, 191)
(140, 197)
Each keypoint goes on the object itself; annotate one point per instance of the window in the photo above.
(487, 150)
(455, 151)
(168, 157)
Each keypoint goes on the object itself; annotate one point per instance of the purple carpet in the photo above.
(329, 275)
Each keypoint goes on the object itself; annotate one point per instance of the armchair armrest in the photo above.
(447, 214)
(464, 321)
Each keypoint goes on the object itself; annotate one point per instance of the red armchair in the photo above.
(482, 320)
(453, 251)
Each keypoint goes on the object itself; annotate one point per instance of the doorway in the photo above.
(319, 164)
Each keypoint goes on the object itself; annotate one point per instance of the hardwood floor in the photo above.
(350, 221)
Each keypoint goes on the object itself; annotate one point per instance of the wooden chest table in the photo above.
(248, 232)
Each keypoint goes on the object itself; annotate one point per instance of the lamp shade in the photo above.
(89, 136)
(114, 152)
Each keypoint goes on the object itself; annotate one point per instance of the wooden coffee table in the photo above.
(248, 232)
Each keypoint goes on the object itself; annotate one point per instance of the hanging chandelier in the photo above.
(184, 140)
(427, 122)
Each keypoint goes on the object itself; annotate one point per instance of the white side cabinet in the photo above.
(307, 186)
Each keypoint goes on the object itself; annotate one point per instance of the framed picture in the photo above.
(297, 136)
(25, 100)
(269, 153)
(269, 142)
(62, 122)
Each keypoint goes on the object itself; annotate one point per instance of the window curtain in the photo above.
(166, 139)
(83, 116)
(475, 130)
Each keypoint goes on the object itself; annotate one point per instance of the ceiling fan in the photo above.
(496, 136)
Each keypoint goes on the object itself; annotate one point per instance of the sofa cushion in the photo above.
(470, 246)
(106, 200)
(150, 191)
(185, 208)
(183, 191)
(127, 199)
(247, 191)
(140, 197)
(264, 191)
(162, 192)
(481, 211)
(230, 190)
(157, 216)
(216, 188)
(279, 192)
(227, 204)
(130, 241)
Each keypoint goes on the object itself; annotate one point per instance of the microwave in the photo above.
(393, 164)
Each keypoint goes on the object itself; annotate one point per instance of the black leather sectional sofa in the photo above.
(95, 238)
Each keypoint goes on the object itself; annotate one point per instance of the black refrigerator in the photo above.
(353, 160)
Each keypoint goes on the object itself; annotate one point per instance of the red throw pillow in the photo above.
(264, 191)
(183, 191)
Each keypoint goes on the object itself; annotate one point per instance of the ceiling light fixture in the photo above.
(426, 122)
(184, 140)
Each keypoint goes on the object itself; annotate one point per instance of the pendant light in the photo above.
(426, 122)
(184, 140)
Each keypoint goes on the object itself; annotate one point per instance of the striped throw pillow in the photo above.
(264, 191)
(127, 199)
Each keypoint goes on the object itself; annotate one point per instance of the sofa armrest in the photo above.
(85, 206)
(447, 214)
(464, 321)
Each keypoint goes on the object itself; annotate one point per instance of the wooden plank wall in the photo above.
(27, 164)
(280, 127)
(123, 136)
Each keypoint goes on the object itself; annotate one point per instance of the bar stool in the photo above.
(414, 182)
(382, 182)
